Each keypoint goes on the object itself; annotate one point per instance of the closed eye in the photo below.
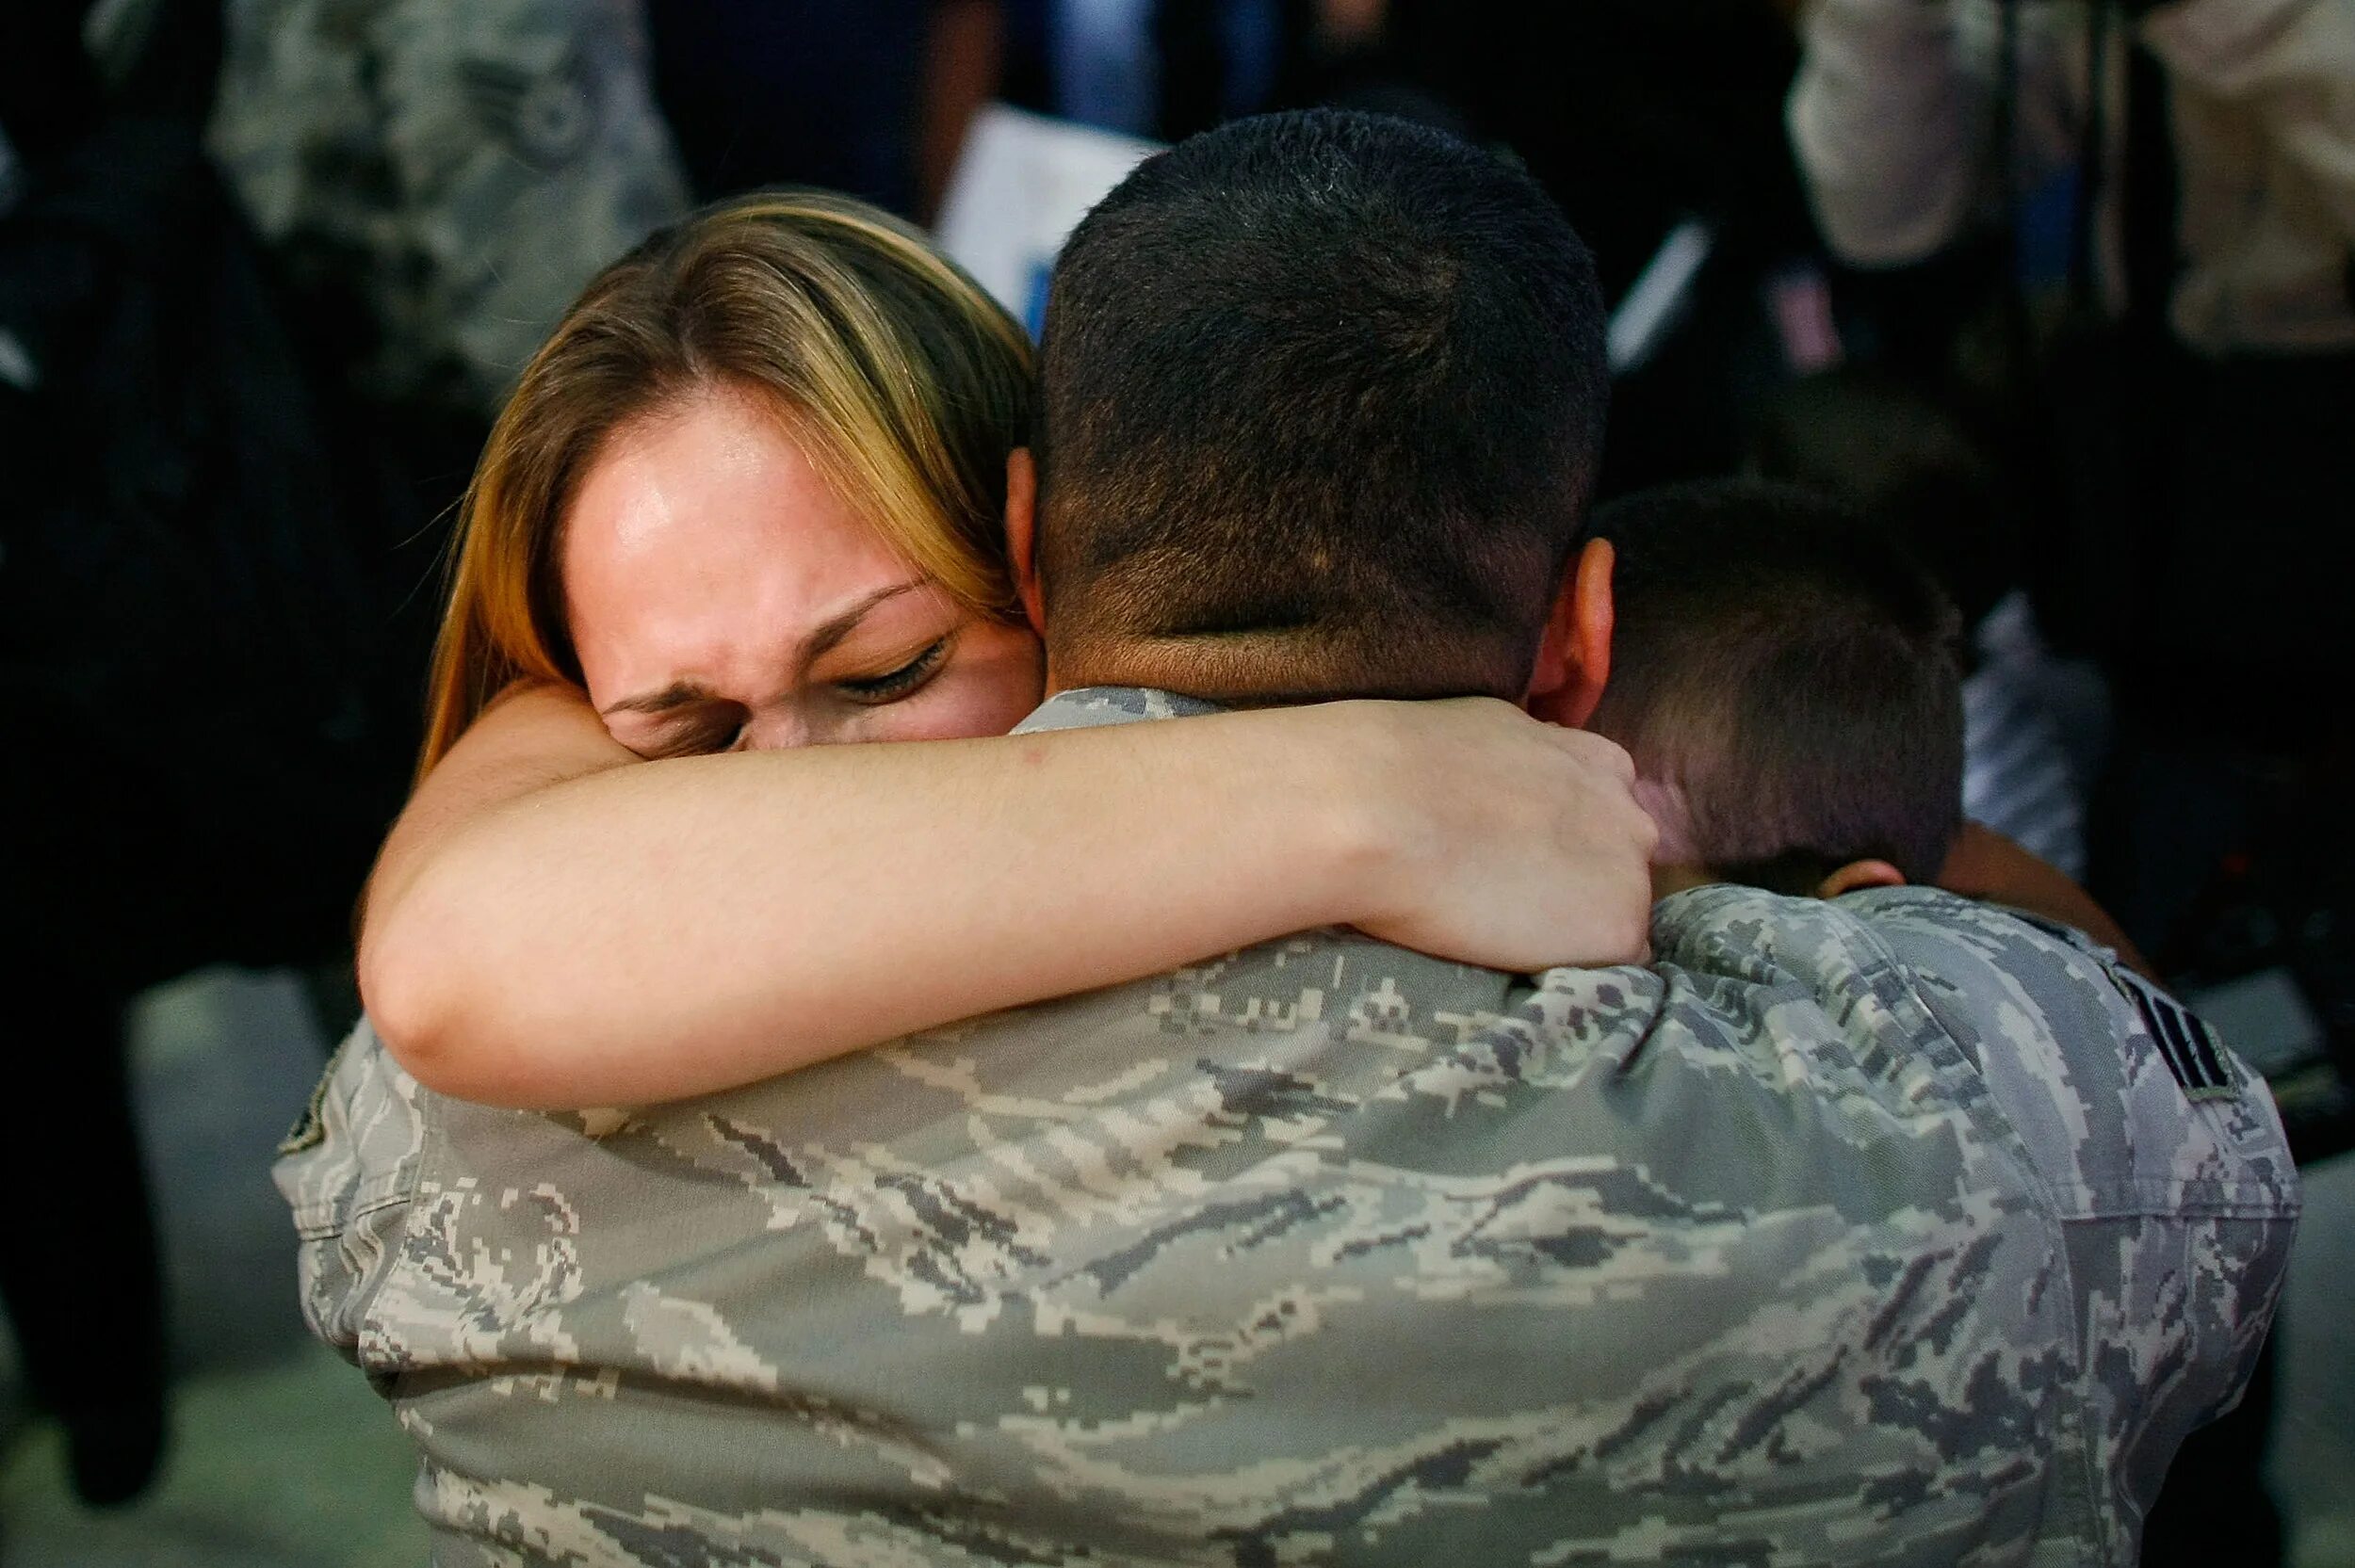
(893, 685)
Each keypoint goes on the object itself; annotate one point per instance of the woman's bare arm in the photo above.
(556, 923)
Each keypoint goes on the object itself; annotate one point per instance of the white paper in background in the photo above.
(17, 369)
(1659, 296)
(1022, 183)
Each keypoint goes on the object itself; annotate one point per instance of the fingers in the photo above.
(1611, 762)
(1646, 829)
(1607, 756)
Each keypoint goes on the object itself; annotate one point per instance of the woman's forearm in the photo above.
(556, 930)
(663, 929)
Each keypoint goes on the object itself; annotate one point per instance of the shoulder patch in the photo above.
(310, 1129)
(2189, 1046)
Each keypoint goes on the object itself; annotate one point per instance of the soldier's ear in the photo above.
(1574, 654)
(1022, 535)
(1860, 873)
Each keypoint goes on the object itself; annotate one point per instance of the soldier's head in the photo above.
(1786, 678)
(749, 495)
(1322, 402)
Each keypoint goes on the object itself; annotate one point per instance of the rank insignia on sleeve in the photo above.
(2188, 1045)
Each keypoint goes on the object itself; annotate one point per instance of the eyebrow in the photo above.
(823, 639)
(679, 694)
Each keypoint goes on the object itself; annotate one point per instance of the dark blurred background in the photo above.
(267, 266)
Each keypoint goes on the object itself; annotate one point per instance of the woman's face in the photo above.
(723, 597)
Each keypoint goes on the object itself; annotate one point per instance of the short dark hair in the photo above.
(1322, 398)
(1788, 669)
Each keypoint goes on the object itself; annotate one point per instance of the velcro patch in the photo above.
(2188, 1045)
(311, 1130)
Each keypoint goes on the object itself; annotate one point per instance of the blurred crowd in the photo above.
(2063, 290)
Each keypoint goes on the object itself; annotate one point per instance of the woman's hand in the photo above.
(1521, 843)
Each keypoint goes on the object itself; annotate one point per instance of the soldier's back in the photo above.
(1325, 1252)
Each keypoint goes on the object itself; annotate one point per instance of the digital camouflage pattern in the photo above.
(465, 164)
(1868, 1232)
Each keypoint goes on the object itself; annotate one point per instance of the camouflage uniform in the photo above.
(1877, 1232)
(464, 165)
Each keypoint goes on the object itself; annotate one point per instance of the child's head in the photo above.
(1785, 677)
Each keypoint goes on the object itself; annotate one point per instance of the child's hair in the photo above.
(1787, 675)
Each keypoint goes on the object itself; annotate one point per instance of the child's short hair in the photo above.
(1786, 669)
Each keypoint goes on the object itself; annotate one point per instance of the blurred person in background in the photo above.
(446, 176)
(190, 628)
(2208, 149)
(230, 457)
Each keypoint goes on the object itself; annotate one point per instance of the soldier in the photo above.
(1890, 1230)
(461, 169)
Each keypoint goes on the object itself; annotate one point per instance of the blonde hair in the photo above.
(902, 381)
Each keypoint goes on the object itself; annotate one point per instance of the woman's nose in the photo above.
(777, 730)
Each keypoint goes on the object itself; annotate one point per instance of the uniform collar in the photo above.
(1085, 707)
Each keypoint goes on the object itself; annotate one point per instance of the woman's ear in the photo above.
(1574, 654)
(1860, 873)
(1022, 535)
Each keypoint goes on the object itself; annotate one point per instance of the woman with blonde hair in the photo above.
(747, 503)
